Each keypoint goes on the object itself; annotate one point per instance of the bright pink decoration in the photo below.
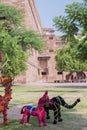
(38, 111)
(0, 56)
(27, 111)
(44, 100)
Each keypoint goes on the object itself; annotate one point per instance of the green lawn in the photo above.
(73, 119)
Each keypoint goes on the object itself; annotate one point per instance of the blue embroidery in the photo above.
(31, 108)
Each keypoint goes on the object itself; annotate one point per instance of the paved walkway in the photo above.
(13, 113)
(56, 84)
(85, 128)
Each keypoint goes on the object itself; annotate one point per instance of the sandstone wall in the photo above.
(31, 20)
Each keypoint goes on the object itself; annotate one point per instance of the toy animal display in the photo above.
(4, 100)
(55, 105)
(38, 111)
(28, 111)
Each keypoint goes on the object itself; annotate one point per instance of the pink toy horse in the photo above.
(34, 111)
(39, 111)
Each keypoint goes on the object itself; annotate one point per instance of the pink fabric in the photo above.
(0, 56)
(45, 94)
(39, 112)
(44, 99)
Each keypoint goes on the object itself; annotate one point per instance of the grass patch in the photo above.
(73, 119)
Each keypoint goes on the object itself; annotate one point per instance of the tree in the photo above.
(67, 60)
(11, 16)
(15, 41)
(29, 39)
(73, 25)
(74, 21)
(13, 55)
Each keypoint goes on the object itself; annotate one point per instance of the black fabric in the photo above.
(55, 105)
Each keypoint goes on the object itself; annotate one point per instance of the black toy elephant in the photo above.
(55, 105)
